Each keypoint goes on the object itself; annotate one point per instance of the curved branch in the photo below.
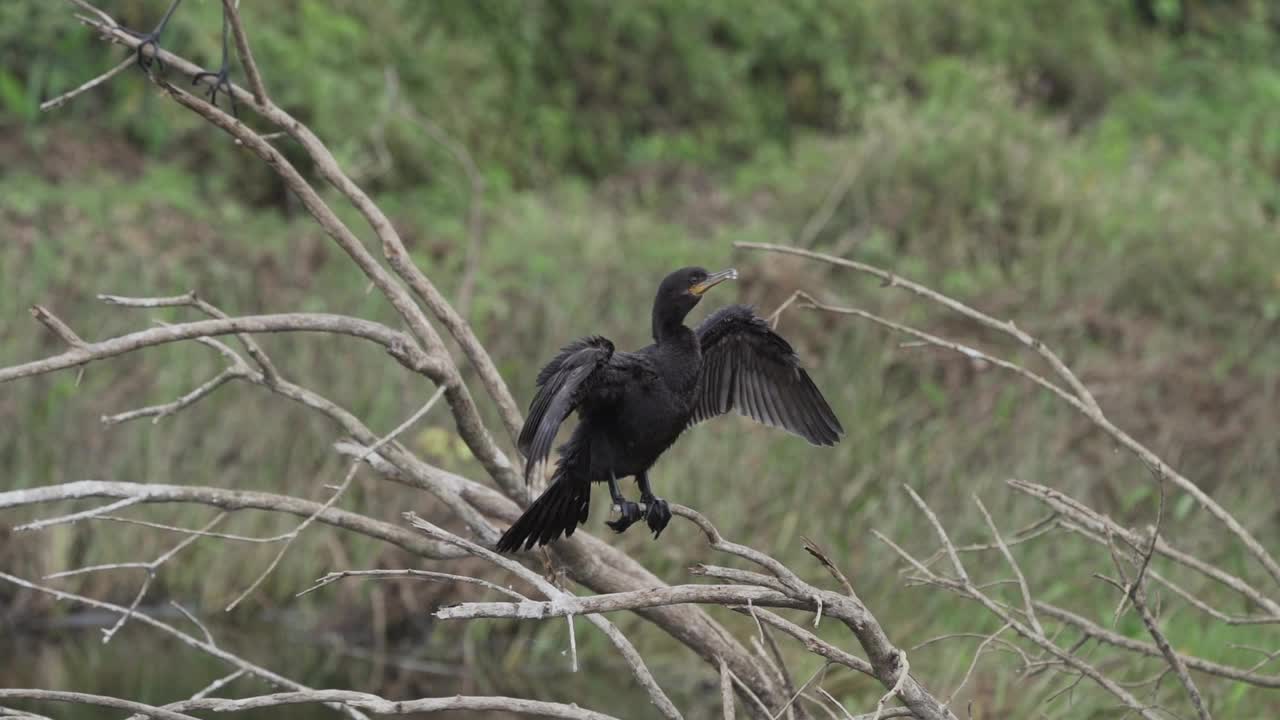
(106, 701)
(467, 416)
(205, 646)
(233, 500)
(886, 660)
(399, 345)
(382, 706)
(567, 605)
(1087, 405)
(1208, 667)
(359, 700)
(629, 653)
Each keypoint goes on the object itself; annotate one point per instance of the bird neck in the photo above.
(668, 325)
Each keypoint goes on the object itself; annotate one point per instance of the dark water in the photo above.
(146, 665)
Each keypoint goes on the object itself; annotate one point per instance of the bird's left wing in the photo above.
(748, 367)
(562, 385)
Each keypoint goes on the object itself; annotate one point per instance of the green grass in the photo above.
(1110, 188)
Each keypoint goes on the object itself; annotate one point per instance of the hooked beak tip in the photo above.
(714, 279)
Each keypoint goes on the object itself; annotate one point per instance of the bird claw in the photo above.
(145, 61)
(657, 515)
(629, 514)
(220, 83)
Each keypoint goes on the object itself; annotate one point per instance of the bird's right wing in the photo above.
(580, 368)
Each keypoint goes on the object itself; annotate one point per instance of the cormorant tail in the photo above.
(558, 511)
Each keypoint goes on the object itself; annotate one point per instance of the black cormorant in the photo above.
(633, 405)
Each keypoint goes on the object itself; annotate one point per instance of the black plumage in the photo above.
(633, 405)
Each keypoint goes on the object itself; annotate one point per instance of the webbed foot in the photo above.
(220, 84)
(630, 514)
(149, 40)
(152, 40)
(657, 514)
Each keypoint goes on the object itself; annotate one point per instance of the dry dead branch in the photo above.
(1127, 547)
(760, 682)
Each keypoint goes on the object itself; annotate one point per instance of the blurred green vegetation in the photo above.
(1102, 173)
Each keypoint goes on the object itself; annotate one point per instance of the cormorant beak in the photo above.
(713, 280)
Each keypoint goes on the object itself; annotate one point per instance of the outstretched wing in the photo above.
(563, 384)
(748, 367)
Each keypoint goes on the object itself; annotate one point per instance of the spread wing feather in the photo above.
(749, 368)
(582, 368)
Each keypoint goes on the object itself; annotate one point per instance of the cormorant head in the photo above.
(681, 290)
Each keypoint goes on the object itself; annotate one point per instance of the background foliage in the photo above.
(1104, 172)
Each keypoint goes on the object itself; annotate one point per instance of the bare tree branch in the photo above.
(726, 692)
(410, 573)
(77, 516)
(62, 696)
(231, 500)
(396, 343)
(628, 651)
(1096, 526)
(1087, 405)
(159, 412)
(191, 299)
(967, 588)
(1027, 603)
(358, 700)
(66, 97)
(232, 10)
(207, 647)
(346, 482)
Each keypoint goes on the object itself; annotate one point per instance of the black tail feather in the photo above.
(558, 511)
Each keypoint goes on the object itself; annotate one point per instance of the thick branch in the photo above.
(616, 602)
(629, 653)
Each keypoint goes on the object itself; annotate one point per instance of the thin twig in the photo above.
(192, 299)
(232, 10)
(557, 595)
(346, 482)
(66, 97)
(419, 574)
(1027, 602)
(208, 636)
(942, 535)
(159, 412)
(974, 663)
(74, 517)
(1085, 403)
(207, 648)
(904, 672)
